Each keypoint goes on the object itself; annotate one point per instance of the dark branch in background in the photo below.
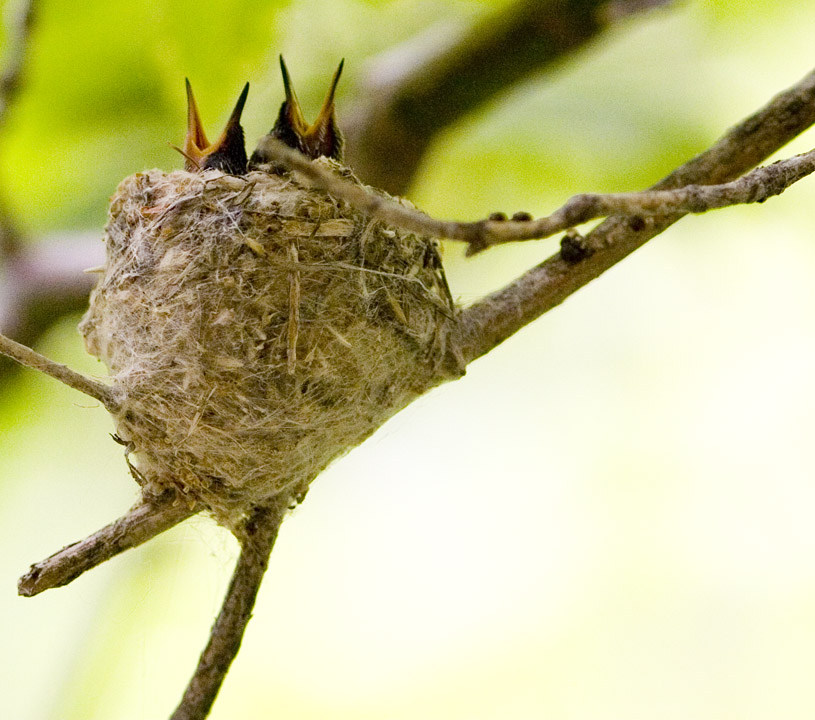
(18, 42)
(44, 279)
(257, 537)
(145, 520)
(38, 281)
(41, 281)
(407, 101)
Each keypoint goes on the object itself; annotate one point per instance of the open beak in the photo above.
(227, 153)
(321, 138)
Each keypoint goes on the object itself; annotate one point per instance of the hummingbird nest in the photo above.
(256, 329)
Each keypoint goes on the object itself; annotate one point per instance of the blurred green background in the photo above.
(609, 517)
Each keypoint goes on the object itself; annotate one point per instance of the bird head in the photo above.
(322, 137)
(227, 153)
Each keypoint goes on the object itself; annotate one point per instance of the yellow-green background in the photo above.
(610, 517)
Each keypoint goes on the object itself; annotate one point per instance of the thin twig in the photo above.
(416, 90)
(754, 187)
(32, 359)
(257, 539)
(145, 520)
(496, 317)
(757, 186)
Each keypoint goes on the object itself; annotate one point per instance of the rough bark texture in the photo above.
(148, 518)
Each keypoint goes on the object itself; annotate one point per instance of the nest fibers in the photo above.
(256, 329)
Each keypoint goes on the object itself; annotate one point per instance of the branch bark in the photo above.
(31, 359)
(493, 319)
(757, 186)
(145, 520)
(754, 187)
(403, 111)
(257, 539)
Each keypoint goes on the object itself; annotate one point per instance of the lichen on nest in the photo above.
(256, 329)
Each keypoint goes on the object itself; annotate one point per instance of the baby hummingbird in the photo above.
(322, 137)
(227, 153)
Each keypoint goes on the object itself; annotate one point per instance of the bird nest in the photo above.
(256, 329)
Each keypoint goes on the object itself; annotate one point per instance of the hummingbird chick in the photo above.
(322, 138)
(227, 153)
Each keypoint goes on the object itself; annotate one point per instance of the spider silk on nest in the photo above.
(256, 329)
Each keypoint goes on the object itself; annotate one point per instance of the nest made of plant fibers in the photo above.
(256, 329)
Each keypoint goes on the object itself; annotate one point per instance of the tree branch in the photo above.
(404, 110)
(493, 319)
(756, 186)
(46, 273)
(257, 539)
(145, 520)
(32, 359)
